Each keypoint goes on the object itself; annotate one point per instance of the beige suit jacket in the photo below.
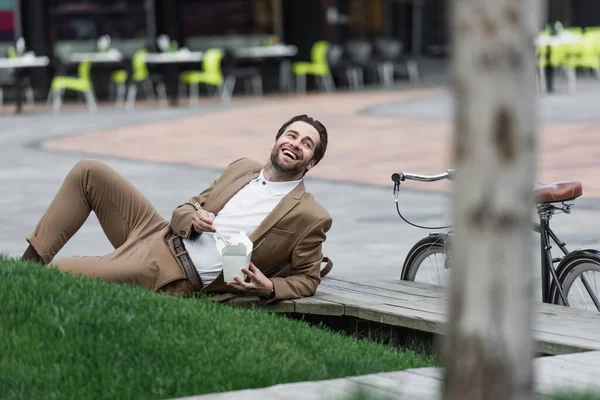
(293, 232)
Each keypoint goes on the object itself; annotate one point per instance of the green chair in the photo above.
(81, 83)
(118, 84)
(141, 76)
(588, 53)
(211, 75)
(318, 67)
(560, 55)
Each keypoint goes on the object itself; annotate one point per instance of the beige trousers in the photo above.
(142, 256)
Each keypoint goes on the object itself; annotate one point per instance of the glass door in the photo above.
(75, 25)
(229, 23)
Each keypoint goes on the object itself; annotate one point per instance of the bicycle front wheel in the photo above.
(580, 280)
(426, 261)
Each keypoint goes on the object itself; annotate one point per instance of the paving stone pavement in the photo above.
(367, 238)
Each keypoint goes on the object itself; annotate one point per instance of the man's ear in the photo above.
(310, 165)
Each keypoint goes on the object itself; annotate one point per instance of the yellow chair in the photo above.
(318, 67)
(81, 83)
(560, 56)
(211, 75)
(141, 76)
(118, 80)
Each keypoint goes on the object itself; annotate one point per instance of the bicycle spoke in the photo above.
(428, 267)
(437, 268)
(427, 272)
(590, 292)
(582, 296)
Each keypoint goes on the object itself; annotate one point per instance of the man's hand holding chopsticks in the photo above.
(202, 221)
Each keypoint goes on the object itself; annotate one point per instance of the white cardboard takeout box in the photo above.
(235, 256)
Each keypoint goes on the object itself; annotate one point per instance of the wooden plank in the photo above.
(401, 383)
(318, 305)
(431, 372)
(412, 319)
(574, 371)
(399, 292)
(425, 315)
(557, 329)
(394, 289)
(397, 284)
(359, 298)
(550, 343)
(286, 306)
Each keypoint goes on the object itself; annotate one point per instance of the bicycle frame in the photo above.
(547, 234)
(545, 212)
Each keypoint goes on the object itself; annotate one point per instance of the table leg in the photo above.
(285, 73)
(171, 77)
(20, 78)
(549, 71)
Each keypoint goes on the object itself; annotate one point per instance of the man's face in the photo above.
(292, 153)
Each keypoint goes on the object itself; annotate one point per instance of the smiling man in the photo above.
(268, 202)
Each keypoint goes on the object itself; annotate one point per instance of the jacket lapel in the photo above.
(223, 193)
(288, 202)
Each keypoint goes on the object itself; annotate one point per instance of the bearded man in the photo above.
(266, 201)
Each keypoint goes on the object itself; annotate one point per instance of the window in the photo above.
(7, 23)
(225, 17)
(88, 19)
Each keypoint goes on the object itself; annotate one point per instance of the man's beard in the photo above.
(282, 169)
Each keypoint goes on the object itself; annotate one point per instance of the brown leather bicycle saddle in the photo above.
(557, 191)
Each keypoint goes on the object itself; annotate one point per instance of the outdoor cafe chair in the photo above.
(359, 54)
(560, 57)
(211, 76)
(81, 83)
(317, 67)
(141, 77)
(232, 72)
(585, 54)
(118, 86)
(335, 60)
(389, 56)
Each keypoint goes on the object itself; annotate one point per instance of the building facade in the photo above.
(57, 27)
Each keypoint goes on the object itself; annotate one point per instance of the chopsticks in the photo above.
(199, 208)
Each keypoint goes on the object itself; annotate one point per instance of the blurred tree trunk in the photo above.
(489, 346)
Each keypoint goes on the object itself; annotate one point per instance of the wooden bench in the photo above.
(557, 329)
(573, 373)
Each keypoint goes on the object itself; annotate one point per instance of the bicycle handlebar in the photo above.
(449, 174)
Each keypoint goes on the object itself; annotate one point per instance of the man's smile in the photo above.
(289, 154)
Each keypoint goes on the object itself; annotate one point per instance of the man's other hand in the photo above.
(203, 223)
(259, 284)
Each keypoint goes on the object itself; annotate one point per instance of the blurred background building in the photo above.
(57, 28)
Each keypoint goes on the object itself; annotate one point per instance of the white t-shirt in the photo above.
(243, 212)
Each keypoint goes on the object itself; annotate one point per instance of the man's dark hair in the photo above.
(322, 146)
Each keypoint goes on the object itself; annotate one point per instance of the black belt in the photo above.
(188, 266)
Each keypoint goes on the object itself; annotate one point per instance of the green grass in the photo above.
(72, 337)
(572, 395)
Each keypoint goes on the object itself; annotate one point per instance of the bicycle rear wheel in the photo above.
(426, 261)
(580, 280)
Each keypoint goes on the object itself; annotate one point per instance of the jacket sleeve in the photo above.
(305, 265)
(181, 220)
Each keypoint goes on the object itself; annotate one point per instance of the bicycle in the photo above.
(565, 280)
